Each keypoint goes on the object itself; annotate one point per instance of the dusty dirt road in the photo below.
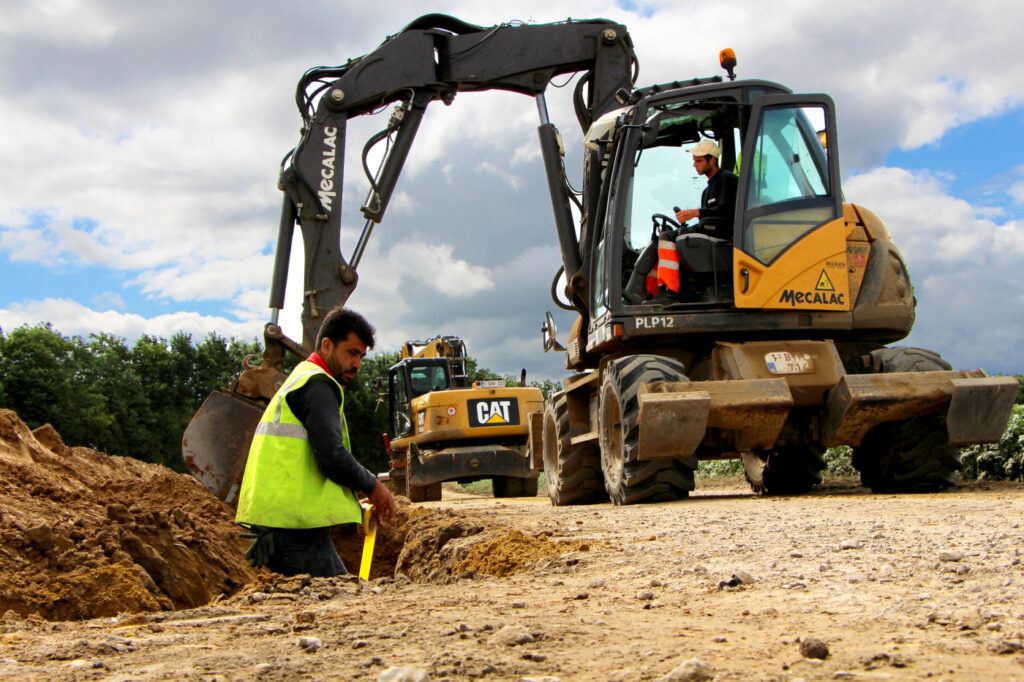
(897, 587)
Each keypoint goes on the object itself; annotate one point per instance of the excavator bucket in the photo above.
(216, 443)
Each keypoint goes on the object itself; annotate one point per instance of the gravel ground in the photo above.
(837, 584)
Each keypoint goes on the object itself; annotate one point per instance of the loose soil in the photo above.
(894, 587)
(86, 535)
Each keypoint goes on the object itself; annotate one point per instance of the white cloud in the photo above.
(526, 153)
(108, 299)
(510, 179)
(434, 266)
(153, 152)
(75, 21)
(213, 280)
(401, 203)
(74, 319)
(965, 267)
(929, 224)
(1016, 191)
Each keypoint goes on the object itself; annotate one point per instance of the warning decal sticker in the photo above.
(824, 283)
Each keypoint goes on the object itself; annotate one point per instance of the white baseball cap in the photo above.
(705, 147)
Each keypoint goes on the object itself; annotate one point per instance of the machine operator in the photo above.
(715, 216)
(718, 200)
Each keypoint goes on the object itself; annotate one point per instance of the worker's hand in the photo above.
(687, 214)
(262, 547)
(383, 503)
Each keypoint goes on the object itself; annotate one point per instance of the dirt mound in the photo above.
(348, 540)
(85, 534)
(435, 541)
(513, 552)
(441, 545)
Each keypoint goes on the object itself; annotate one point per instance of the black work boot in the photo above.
(663, 297)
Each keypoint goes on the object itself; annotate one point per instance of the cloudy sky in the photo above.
(141, 142)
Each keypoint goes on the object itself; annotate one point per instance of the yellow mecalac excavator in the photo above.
(772, 348)
(442, 428)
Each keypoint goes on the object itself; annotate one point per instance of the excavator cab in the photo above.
(411, 378)
(787, 223)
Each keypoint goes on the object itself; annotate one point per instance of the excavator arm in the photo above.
(452, 348)
(432, 59)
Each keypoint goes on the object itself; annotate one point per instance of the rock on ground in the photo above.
(693, 670)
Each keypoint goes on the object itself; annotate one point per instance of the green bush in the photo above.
(720, 468)
(839, 464)
(1002, 461)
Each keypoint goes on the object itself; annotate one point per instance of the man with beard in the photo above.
(301, 478)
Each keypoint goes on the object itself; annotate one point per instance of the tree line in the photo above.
(101, 393)
(136, 400)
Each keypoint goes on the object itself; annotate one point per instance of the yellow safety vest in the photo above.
(282, 486)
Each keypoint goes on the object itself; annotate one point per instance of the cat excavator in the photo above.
(442, 428)
(774, 343)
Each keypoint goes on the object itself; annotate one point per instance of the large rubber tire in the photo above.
(513, 486)
(572, 472)
(792, 470)
(910, 455)
(626, 479)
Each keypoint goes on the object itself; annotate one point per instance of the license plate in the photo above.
(789, 363)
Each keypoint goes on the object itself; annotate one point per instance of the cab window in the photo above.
(663, 178)
(788, 191)
(428, 378)
(663, 175)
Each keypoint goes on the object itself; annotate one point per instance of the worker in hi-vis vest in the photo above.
(301, 477)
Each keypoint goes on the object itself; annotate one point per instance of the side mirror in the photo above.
(549, 332)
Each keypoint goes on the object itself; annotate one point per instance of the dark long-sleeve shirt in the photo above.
(718, 205)
(316, 405)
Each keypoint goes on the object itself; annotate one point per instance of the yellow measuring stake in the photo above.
(370, 529)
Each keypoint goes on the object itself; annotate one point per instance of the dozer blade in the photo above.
(976, 405)
(216, 442)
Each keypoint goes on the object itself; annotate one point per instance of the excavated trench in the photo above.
(440, 545)
(88, 535)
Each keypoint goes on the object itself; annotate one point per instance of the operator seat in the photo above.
(705, 262)
(701, 253)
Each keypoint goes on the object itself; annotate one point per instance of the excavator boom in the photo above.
(432, 59)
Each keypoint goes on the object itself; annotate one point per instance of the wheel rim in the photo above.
(611, 439)
(549, 444)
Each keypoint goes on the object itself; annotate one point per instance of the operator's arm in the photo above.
(316, 406)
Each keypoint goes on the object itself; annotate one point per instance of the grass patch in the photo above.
(484, 487)
(838, 466)
(719, 472)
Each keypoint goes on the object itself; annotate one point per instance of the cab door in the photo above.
(398, 399)
(790, 237)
